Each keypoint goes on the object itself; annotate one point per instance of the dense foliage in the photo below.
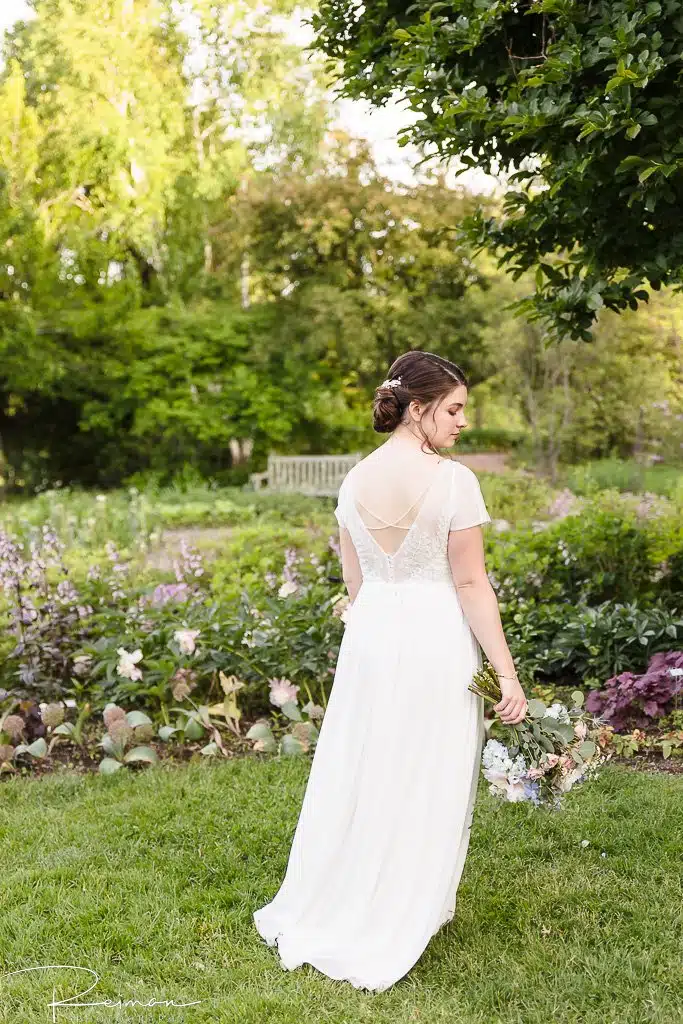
(580, 100)
(180, 293)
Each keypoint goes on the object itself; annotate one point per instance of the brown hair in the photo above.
(425, 377)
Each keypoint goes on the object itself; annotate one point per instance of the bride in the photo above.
(384, 827)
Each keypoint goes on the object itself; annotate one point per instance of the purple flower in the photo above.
(166, 592)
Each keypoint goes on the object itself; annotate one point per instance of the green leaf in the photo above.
(547, 743)
(108, 766)
(647, 172)
(166, 731)
(259, 731)
(136, 718)
(194, 730)
(577, 698)
(291, 710)
(537, 708)
(291, 746)
(38, 748)
(142, 753)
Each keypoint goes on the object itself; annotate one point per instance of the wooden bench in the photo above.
(304, 474)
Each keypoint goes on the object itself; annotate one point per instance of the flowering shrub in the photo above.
(612, 549)
(47, 614)
(630, 701)
(105, 633)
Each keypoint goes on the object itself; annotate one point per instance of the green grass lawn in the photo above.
(150, 880)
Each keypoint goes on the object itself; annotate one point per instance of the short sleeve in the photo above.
(340, 510)
(468, 508)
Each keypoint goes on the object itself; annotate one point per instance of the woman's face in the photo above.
(444, 421)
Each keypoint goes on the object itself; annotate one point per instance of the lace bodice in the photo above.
(452, 501)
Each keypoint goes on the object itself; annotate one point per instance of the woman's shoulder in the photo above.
(460, 467)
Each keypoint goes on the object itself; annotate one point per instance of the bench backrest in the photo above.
(309, 474)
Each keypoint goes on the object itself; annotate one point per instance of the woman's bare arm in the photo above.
(480, 607)
(351, 571)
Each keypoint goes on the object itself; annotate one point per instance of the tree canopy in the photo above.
(579, 101)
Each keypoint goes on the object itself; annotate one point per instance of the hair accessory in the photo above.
(390, 383)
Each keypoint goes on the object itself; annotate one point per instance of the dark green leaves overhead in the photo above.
(581, 100)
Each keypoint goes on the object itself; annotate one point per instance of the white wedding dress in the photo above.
(384, 827)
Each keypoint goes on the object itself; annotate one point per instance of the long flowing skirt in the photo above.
(384, 827)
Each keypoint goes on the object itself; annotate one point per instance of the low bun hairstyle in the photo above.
(425, 377)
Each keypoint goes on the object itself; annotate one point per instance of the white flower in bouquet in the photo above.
(558, 711)
(496, 756)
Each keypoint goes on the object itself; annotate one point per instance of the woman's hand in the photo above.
(512, 707)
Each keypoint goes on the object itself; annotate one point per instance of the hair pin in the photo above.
(391, 383)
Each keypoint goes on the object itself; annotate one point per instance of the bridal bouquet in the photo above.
(550, 751)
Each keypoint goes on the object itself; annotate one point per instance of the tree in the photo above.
(362, 270)
(580, 100)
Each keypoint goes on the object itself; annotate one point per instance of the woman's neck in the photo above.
(403, 437)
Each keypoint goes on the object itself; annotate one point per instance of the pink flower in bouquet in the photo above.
(536, 773)
(552, 759)
(498, 780)
(580, 730)
(566, 763)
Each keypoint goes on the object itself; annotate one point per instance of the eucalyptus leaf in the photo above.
(537, 708)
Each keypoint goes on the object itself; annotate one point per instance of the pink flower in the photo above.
(282, 691)
(580, 730)
(515, 792)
